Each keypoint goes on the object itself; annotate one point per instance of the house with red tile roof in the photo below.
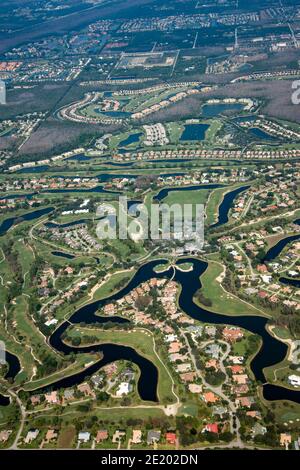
(236, 369)
(232, 333)
(211, 427)
(210, 397)
(171, 438)
(262, 268)
(102, 435)
(188, 376)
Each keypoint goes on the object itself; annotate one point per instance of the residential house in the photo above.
(50, 435)
(136, 436)
(4, 435)
(153, 437)
(84, 436)
(31, 436)
(211, 427)
(102, 435)
(118, 436)
(171, 438)
(285, 439)
(210, 397)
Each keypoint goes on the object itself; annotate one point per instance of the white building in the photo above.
(124, 389)
(294, 380)
(2, 92)
(84, 436)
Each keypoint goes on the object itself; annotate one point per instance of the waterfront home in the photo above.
(124, 389)
(236, 359)
(69, 394)
(232, 334)
(240, 379)
(211, 330)
(240, 389)
(294, 380)
(52, 398)
(97, 380)
(245, 402)
(86, 390)
(236, 369)
(35, 399)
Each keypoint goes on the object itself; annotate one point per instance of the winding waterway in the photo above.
(8, 223)
(271, 352)
(14, 368)
(226, 205)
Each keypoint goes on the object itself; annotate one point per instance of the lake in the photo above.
(194, 132)
(8, 223)
(226, 205)
(215, 109)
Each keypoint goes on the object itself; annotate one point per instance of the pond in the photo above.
(131, 139)
(194, 132)
(260, 134)
(8, 223)
(226, 205)
(62, 254)
(215, 109)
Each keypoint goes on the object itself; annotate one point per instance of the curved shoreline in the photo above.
(272, 350)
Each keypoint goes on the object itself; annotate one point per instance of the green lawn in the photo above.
(213, 203)
(222, 302)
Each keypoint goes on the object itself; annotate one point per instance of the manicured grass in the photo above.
(26, 258)
(222, 302)
(210, 134)
(26, 331)
(190, 409)
(187, 197)
(281, 332)
(161, 267)
(174, 131)
(213, 203)
(79, 364)
(112, 284)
